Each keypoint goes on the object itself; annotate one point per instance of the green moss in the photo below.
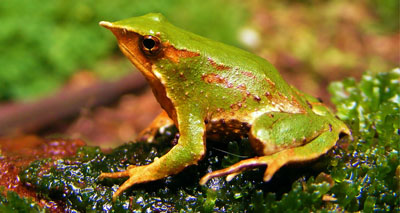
(14, 203)
(366, 174)
(360, 177)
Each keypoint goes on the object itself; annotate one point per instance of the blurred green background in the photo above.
(43, 43)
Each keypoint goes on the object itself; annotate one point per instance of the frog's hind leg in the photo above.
(161, 122)
(309, 151)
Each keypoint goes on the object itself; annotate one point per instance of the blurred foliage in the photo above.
(330, 39)
(359, 175)
(42, 44)
(388, 12)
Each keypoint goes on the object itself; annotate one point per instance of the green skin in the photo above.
(210, 89)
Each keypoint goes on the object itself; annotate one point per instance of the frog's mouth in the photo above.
(146, 70)
(128, 42)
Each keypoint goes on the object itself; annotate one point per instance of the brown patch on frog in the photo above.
(295, 103)
(220, 110)
(248, 74)
(231, 128)
(165, 102)
(283, 103)
(236, 106)
(215, 78)
(241, 87)
(270, 82)
(217, 66)
(171, 53)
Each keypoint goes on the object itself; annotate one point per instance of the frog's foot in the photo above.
(136, 174)
(274, 162)
(161, 122)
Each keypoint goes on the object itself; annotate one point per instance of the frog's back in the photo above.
(156, 24)
(233, 78)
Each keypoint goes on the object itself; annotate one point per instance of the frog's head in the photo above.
(145, 40)
(139, 40)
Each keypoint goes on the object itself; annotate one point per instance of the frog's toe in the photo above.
(231, 176)
(272, 168)
(233, 170)
(137, 174)
(113, 175)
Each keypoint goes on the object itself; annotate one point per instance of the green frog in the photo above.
(208, 90)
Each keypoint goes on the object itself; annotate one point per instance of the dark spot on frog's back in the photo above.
(257, 98)
(268, 95)
(309, 104)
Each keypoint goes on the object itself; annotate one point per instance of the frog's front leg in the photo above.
(286, 138)
(189, 150)
(161, 122)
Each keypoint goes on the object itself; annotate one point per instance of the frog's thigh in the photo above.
(312, 150)
(161, 121)
(276, 135)
(277, 131)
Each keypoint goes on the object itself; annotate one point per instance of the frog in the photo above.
(209, 89)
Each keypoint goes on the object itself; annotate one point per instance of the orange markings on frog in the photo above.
(173, 54)
(215, 78)
(218, 66)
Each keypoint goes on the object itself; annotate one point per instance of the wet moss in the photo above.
(12, 202)
(354, 176)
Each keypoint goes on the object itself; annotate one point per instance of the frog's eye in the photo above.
(150, 45)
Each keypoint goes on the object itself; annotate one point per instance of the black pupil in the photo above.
(149, 43)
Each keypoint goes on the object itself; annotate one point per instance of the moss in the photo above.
(12, 202)
(366, 174)
(354, 176)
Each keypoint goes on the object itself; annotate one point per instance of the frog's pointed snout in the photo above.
(106, 24)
